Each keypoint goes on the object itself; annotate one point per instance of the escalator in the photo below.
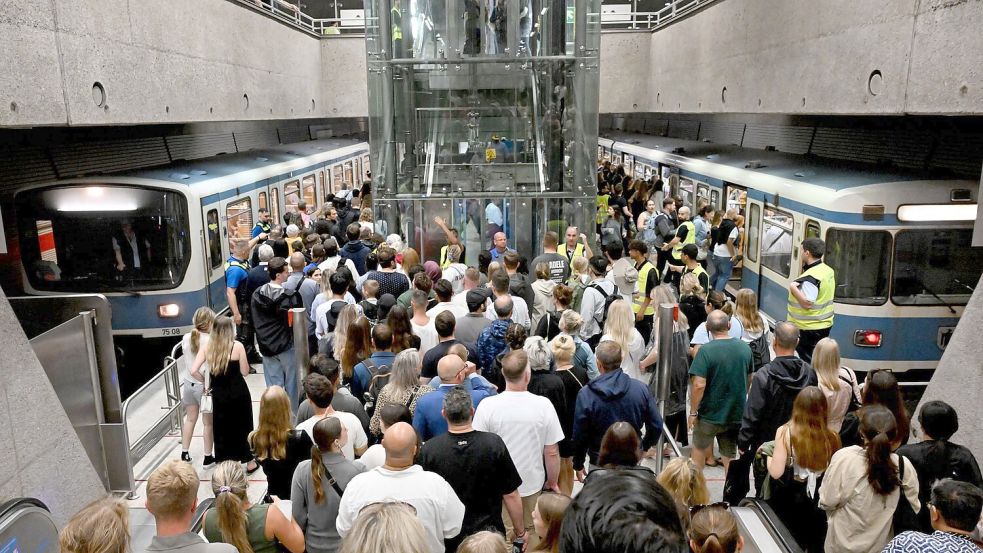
(762, 530)
(26, 526)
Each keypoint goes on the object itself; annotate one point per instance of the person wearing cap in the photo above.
(385, 303)
(594, 301)
(469, 327)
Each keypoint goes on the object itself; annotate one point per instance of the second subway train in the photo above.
(899, 241)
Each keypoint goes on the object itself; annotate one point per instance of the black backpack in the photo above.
(379, 378)
(760, 353)
(608, 300)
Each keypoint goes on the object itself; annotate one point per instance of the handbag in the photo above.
(206, 395)
(905, 518)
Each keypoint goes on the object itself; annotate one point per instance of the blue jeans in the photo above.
(723, 267)
(281, 370)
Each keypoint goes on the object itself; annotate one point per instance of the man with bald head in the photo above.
(531, 430)
(308, 290)
(718, 391)
(427, 419)
(491, 341)
(399, 480)
(685, 234)
(501, 246)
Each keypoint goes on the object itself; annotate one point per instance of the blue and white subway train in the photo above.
(899, 241)
(180, 219)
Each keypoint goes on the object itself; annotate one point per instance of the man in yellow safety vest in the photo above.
(648, 279)
(571, 248)
(810, 297)
(685, 234)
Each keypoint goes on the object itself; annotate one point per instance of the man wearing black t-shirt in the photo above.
(444, 324)
(478, 466)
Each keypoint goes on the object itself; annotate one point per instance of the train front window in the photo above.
(861, 259)
(935, 267)
(103, 238)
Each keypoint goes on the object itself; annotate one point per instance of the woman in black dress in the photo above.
(232, 405)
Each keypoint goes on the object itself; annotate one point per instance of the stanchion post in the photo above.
(302, 356)
(667, 318)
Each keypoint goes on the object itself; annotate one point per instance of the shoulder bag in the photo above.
(206, 394)
(905, 518)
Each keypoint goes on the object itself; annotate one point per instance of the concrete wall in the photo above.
(820, 56)
(41, 454)
(344, 84)
(158, 62)
(958, 380)
(625, 66)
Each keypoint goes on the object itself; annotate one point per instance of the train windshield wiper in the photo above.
(934, 295)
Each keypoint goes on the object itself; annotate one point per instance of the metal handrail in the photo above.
(289, 12)
(169, 420)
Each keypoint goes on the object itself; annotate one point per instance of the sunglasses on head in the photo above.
(697, 508)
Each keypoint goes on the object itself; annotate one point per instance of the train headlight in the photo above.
(168, 310)
(867, 338)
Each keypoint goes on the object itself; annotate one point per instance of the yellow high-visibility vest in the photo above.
(821, 314)
(641, 286)
(677, 250)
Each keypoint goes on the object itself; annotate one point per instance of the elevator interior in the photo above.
(483, 112)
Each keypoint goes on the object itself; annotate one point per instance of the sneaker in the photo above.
(185, 457)
(209, 460)
(252, 370)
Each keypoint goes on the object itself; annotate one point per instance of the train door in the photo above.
(736, 199)
(751, 273)
(214, 260)
(779, 258)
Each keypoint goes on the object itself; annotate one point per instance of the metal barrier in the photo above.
(171, 411)
(290, 12)
(302, 355)
(666, 319)
(26, 525)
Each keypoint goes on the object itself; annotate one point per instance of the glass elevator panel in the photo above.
(483, 112)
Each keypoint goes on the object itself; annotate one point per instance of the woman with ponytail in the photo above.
(713, 529)
(232, 404)
(318, 485)
(862, 486)
(259, 528)
(191, 386)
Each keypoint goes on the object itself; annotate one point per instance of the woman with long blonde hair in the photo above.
(746, 311)
(620, 328)
(574, 378)
(358, 343)
(403, 388)
(100, 527)
(579, 278)
(318, 485)
(192, 387)
(684, 482)
(259, 528)
(386, 527)
(232, 406)
(804, 448)
(692, 301)
(277, 446)
(675, 408)
(837, 382)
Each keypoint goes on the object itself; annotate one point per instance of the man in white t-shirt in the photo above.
(320, 391)
(400, 480)
(472, 279)
(528, 425)
(520, 309)
(421, 323)
(445, 295)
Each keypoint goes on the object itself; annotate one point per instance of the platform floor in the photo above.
(142, 526)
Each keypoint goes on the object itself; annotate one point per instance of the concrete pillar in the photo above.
(41, 455)
(958, 380)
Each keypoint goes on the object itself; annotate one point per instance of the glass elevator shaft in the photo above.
(483, 112)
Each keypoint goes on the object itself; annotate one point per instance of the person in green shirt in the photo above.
(720, 375)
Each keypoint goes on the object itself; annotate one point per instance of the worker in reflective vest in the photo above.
(648, 279)
(810, 298)
(396, 22)
(685, 234)
(453, 238)
(571, 248)
(690, 253)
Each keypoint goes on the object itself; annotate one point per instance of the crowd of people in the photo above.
(451, 408)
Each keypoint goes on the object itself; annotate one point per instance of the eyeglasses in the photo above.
(719, 505)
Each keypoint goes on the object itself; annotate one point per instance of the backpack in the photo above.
(578, 288)
(760, 354)
(581, 359)
(608, 300)
(380, 377)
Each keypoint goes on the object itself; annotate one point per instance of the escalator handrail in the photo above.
(778, 529)
(11, 505)
(199, 517)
